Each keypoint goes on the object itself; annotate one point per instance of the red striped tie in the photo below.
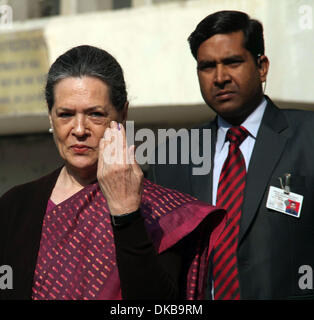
(230, 196)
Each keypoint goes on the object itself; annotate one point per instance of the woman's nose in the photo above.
(79, 128)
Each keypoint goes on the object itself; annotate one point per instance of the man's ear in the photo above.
(263, 66)
(124, 113)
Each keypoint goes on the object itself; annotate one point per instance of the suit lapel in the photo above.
(202, 185)
(269, 145)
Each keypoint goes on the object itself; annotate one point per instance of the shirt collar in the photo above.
(251, 124)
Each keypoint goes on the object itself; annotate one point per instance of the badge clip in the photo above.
(285, 187)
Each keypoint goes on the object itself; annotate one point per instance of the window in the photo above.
(119, 4)
(49, 8)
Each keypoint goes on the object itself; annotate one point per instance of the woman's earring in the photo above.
(50, 130)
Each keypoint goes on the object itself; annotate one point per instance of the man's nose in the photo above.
(222, 75)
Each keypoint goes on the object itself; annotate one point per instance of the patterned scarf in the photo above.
(76, 259)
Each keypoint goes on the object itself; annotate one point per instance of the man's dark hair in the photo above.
(92, 62)
(223, 22)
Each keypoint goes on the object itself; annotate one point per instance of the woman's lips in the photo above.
(80, 148)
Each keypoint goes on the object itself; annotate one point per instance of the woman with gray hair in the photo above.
(95, 228)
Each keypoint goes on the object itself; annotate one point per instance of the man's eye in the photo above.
(234, 63)
(206, 66)
(65, 115)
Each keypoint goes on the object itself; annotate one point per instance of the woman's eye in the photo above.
(97, 114)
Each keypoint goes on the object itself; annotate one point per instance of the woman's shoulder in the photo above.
(24, 190)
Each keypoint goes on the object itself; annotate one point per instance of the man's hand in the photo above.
(119, 176)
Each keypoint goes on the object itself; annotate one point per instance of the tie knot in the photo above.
(237, 135)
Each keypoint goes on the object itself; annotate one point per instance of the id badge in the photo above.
(287, 203)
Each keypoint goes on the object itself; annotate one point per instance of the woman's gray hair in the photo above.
(91, 62)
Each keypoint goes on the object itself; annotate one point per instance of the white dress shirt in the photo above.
(251, 124)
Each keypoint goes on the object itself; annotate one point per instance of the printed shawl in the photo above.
(76, 259)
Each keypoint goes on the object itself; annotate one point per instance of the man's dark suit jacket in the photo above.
(272, 245)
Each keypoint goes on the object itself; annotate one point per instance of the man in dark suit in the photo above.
(270, 246)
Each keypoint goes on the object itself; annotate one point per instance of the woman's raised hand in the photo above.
(119, 176)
